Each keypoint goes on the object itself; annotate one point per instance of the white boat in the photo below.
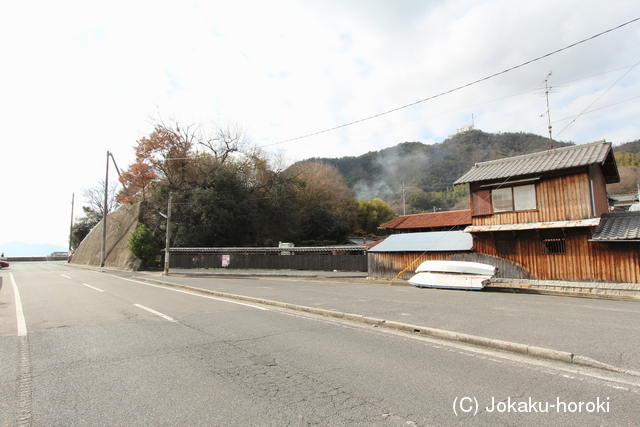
(453, 275)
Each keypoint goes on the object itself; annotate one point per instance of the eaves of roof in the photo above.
(591, 222)
(575, 156)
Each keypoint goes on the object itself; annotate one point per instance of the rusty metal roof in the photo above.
(582, 155)
(430, 220)
(618, 227)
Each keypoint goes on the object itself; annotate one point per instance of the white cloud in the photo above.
(80, 78)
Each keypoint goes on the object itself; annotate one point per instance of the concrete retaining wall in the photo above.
(120, 225)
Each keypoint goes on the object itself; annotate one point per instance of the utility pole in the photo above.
(104, 215)
(168, 238)
(73, 195)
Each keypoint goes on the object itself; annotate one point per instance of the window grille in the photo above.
(554, 246)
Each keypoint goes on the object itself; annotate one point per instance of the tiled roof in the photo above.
(435, 241)
(599, 152)
(619, 226)
(430, 220)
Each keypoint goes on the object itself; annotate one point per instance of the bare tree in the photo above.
(94, 197)
(227, 139)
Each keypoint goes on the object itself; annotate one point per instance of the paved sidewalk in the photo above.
(607, 331)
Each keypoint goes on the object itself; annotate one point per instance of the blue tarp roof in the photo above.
(435, 241)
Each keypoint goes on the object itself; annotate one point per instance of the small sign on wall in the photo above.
(226, 260)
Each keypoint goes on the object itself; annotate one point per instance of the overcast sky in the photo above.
(78, 79)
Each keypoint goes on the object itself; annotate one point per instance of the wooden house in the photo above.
(420, 237)
(540, 211)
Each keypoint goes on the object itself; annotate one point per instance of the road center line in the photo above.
(192, 293)
(93, 287)
(22, 323)
(157, 313)
(65, 276)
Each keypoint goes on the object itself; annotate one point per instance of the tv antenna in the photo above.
(547, 89)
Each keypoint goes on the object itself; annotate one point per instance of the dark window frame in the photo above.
(555, 246)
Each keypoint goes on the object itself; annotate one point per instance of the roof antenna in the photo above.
(547, 89)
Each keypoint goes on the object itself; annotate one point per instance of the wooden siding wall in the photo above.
(386, 265)
(583, 260)
(560, 198)
(601, 200)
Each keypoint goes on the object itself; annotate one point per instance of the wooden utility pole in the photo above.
(73, 196)
(104, 215)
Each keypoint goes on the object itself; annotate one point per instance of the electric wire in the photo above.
(598, 98)
(456, 88)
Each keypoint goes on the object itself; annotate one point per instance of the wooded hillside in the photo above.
(428, 171)
(628, 159)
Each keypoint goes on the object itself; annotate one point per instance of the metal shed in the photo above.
(398, 251)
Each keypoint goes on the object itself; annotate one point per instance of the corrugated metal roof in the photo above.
(435, 241)
(598, 152)
(618, 227)
(430, 220)
(591, 222)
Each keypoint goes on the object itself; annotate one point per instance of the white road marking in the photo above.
(65, 276)
(193, 293)
(22, 323)
(157, 313)
(24, 389)
(93, 287)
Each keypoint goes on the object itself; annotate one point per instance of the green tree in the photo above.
(93, 210)
(372, 213)
(223, 214)
(142, 244)
(83, 226)
(626, 158)
(326, 208)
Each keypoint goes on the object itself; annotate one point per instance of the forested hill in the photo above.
(428, 171)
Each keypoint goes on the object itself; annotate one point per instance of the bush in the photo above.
(142, 244)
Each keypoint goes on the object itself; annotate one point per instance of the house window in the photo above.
(520, 198)
(502, 199)
(524, 197)
(554, 246)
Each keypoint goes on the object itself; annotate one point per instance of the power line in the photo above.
(457, 88)
(598, 98)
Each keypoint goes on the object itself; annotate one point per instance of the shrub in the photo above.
(143, 245)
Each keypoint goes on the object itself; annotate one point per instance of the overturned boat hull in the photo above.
(453, 275)
(449, 281)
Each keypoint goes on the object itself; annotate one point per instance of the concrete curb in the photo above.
(528, 350)
(600, 290)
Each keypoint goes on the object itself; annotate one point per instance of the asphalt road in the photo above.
(602, 329)
(104, 349)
